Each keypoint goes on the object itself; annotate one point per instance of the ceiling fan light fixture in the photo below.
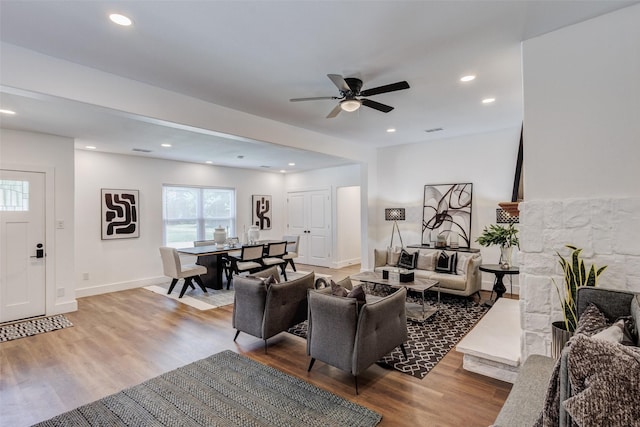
(350, 105)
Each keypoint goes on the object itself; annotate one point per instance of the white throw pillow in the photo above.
(614, 333)
(393, 255)
(426, 261)
(463, 262)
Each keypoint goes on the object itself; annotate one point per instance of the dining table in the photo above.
(213, 257)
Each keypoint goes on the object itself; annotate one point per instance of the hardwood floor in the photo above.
(123, 338)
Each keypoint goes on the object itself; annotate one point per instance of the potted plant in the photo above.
(576, 275)
(505, 237)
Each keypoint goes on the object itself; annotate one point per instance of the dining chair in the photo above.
(173, 268)
(292, 250)
(249, 260)
(274, 256)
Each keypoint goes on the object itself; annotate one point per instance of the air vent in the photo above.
(141, 150)
(433, 130)
(266, 167)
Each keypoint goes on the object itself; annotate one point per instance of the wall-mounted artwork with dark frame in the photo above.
(120, 214)
(261, 207)
(446, 210)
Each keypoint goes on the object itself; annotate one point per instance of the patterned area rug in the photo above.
(225, 389)
(33, 327)
(430, 341)
(213, 298)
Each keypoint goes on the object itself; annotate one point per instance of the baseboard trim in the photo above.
(120, 286)
(64, 307)
(345, 263)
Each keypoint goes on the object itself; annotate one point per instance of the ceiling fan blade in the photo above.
(386, 88)
(313, 99)
(334, 112)
(376, 105)
(339, 81)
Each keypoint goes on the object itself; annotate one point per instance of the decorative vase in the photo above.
(505, 257)
(253, 234)
(220, 235)
(559, 338)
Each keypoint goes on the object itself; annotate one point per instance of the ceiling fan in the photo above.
(349, 88)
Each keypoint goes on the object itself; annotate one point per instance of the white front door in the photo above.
(22, 245)
(310, 218)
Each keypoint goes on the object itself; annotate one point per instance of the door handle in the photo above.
(39, 251)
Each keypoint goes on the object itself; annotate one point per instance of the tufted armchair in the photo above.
(266, 310)
(340, 336)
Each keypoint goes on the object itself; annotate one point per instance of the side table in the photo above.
(498, 285)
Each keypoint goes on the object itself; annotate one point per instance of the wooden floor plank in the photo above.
(123, 338)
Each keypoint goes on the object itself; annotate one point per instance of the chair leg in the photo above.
(200, 283)
(173, 284)
(355, 380)
(284, 271)
(187, 283)
(313, 360)
(237, 333)
(265, 346)
(404, 351)
(292, 264)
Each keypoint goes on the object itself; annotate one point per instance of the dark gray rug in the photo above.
(430, 341)
(225, 389)
(31, 327)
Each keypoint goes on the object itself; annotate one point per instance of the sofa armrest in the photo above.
(474, 278)
(248, 305)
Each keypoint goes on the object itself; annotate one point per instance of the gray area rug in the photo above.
(32, 327)
(430, 341)
(225, 389)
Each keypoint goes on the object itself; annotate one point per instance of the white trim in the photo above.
(120, 286)
(345, 263)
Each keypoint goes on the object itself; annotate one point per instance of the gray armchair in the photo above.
(340, 336)
(264, 311)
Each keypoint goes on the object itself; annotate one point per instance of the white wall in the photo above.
(348, 223)
(127, 263)
(487, 160)
(55, 156)
(581, 139)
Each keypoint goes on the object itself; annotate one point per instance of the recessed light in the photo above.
(241, 157)
(488, 100)
(166, 145)
(8, 112)
(282, 170)
(391, 130)
(120, 19)
(90, 147)
(209, 162)
(467, 78)
(292, 164)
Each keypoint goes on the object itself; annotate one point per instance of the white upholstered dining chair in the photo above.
(173, 268)
(292, 250)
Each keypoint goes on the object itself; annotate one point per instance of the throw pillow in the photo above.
(346, 283)
(463, 263)
(393, 256)
(447, 262)
(407, 260)
(628, 330)
(359, 295)
(591, 321)
(266, 281)
(338, 290)
(613, 333)
(426, 261)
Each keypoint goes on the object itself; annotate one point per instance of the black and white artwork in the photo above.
(447, 210)
(120, 214)
(261, 216)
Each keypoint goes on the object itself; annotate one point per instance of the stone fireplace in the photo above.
(608, 231)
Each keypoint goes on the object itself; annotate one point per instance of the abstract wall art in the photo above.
(447, 210)
(120, 214)
(261, 216)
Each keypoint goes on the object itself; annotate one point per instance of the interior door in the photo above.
(22, 245)
(310, 218)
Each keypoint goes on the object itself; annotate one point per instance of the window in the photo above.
(14, 195)
(192, 213)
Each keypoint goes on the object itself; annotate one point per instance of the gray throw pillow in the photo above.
(338, 290)
(591, 321)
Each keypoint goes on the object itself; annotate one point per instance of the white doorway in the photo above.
(22, 245)
(309, 215)
(348, 226)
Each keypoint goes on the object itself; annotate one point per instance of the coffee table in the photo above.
(416, 312)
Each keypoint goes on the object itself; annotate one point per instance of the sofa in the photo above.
(589, 379)
(264, 309)
(461, 277)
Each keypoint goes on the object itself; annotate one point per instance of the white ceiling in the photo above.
(255, 56)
